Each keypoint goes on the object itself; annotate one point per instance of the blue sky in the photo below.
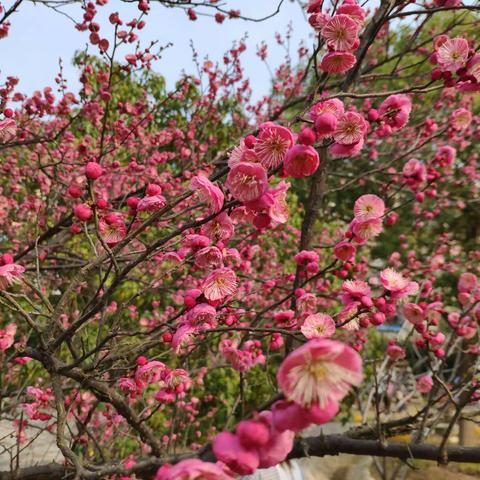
(39, 37)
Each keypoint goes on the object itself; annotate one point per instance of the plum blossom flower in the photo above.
(9, 273)
(393, 280)
(368, 206)
(337, 62)
(247, 181)
(150, 372)
(219, 228)
(397, 284)
(395, 352)
(219, 284)
(453, 54)
(395, 111)
(8, 129)
(333, 106)
(208, 192)
(413, 313)
(461, 118)
(278, 211)
(192, 469)
(366, 230)
(301, 161)
(7, 336)
(112, 229)
(202, 314)
(354, 290)
(318, 325)
(340, 32)
(272, 144)
(351, 128)
(424, 383)
(151, 203)
(344, 251)
(319, 372)
(353, 10)
(209, 257)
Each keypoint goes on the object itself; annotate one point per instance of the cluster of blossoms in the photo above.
(458, 65)
(171, 383)
(314, 380)
(340, 33)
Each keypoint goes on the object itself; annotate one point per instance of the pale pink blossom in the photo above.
(220, 284)
(413, 313)
(367, 229)
(209, 257)
(351, 128)
(453, 54)
(424, 383)
(8, 129)
(9, 273)
(272, 144)
(461, 118)
(278, 211)
(318, 372)
(208, 192)
(367, 207)
(467, 282)
(7, 336)
(318, 325)
(340, 32)
(192, 469)
(333, 106)
(393, 280)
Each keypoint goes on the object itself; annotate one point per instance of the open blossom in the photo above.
(333, 106)
(395, 111)
(301, 161)
(247, 181)
(208, 192)
(112, 229)
(319, 372)
(351, 128)
(413, 313)
(8, 128)
(202, 314)
(338, 62)
(392, 280)
(278, 210)
(9, 273)
(424, 383)
(368, 206)
(353, 290)
(318, 325)
(209, 257)
(453, 54)
(340, 32)
(365, 230)
(7, 336)
(220, 284)
(272, 144)
(461, 118)
(219, 228)
(192, 469)
(150, 372)
(414, 172)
